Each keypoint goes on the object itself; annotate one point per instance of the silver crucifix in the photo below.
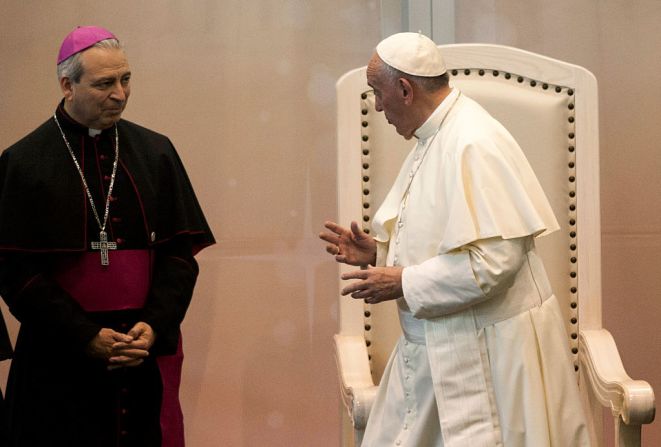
(103, 246)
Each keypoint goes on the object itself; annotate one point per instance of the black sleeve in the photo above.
(173, 280)
(39, 302)
(5, 343)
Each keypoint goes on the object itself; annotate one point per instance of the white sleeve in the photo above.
(453, 281)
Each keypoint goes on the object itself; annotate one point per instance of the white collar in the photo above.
(435, 120)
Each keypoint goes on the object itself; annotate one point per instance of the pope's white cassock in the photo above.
(484, 360)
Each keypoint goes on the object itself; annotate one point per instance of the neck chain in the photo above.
(103, 245)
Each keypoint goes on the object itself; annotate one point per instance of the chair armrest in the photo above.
(632, 400)
(358, 389)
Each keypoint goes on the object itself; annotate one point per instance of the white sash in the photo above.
(462, 382)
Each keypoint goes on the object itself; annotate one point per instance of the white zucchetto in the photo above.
(412, 53)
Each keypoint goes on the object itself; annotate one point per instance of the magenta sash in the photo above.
(124, 284)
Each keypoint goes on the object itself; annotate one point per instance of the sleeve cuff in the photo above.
(441, 285)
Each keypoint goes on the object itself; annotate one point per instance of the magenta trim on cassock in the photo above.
(172, 419)
(124, 284)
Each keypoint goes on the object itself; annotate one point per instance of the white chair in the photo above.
(551, 109)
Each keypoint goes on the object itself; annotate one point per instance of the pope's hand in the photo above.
(349, 246)
(375, 284)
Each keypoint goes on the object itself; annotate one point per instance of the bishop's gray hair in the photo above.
(72, 67)
(428, 84)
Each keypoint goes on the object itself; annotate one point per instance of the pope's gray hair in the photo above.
(72, 67)
(428, 84)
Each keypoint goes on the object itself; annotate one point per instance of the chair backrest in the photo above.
(550, 107)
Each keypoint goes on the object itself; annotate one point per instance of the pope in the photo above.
(483, 359)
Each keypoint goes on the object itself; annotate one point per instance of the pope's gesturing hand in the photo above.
(355, 247)
(350, 246)
(375, 284)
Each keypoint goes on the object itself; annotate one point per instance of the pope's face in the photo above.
(99, 98)
(389, 98)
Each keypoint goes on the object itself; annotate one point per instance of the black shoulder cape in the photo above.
(43, 202)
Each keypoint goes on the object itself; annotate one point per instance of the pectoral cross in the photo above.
(103, 246)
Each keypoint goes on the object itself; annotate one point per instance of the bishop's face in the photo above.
(99, 98)
(390, 98)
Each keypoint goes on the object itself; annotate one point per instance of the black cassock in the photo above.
(57, 395)
(5, 353)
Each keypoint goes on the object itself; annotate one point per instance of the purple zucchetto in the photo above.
(80, 39)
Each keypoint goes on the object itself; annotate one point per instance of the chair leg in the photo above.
(626, 435)
(358, 437)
